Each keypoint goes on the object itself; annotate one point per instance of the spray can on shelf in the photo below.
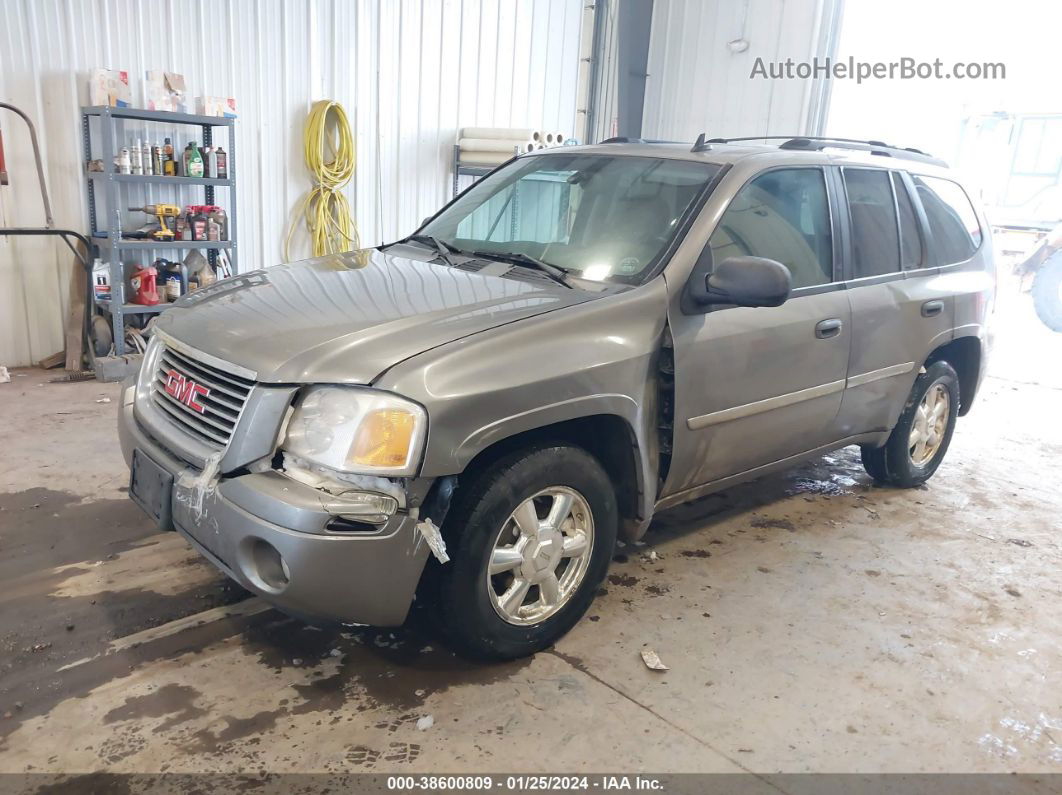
(223, 162)
(149, 164)
(123, 162)
(136, 163)
(156, 160)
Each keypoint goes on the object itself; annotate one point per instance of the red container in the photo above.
(145, 291)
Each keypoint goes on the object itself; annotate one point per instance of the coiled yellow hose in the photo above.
(325, 209)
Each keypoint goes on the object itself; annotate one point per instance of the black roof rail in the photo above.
(622, 139)
(808, 143)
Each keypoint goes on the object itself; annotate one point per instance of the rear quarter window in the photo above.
(953, 223)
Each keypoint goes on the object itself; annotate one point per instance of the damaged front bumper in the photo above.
(276, 536)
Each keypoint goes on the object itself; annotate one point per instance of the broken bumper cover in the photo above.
(267, 533)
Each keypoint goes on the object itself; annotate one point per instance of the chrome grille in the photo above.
(222, 405)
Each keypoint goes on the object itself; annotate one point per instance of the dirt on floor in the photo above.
(811, 621)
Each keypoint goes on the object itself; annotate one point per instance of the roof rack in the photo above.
(817, 144)
(622, 139)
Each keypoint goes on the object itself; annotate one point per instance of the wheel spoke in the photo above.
(558, 512)
(549, 589)
(940, 412)
(915, 437)
(920, 451)
(575, 545)
(514, 596)
(526, 518)
(504, 559)
(922, 413)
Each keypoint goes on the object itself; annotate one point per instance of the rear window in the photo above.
(952, 220)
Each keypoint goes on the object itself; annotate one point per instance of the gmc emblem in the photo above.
(186, 390)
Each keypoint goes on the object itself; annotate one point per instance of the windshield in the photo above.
(600, 217)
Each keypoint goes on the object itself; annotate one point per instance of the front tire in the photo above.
(921, 437)
(530, 541)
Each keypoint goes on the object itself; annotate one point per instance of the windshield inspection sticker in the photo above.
(628, 266)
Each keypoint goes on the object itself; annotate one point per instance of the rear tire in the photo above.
(1047, 293)
(481, 531)
(921, 437)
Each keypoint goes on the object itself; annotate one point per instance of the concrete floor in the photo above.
(812, 622)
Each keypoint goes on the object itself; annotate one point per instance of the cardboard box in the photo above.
(164, 91)
(216, 106)
(109, 87)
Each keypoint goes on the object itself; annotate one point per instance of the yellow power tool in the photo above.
(167, 218)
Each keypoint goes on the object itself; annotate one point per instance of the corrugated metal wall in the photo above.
(699, 83)
(409, 73)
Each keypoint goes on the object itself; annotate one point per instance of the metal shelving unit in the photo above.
(105, 190)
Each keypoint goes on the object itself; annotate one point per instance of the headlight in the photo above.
(357, 430)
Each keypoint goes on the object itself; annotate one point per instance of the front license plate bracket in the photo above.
(151, 487)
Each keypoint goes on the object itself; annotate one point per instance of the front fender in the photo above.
(550, 414)
(596, 358)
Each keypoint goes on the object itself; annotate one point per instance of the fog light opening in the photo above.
(269, 569)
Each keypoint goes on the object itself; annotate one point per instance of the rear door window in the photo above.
(911, 253)
(784, 215)
(952, 221)
(875, 233)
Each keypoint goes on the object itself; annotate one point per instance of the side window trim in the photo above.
(921, 223)
(832, 208)
(842, 236)
(931, 257)
(851, 280)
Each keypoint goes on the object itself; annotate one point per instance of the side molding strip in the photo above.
(877, 375)
(749, 409)
(781, 401)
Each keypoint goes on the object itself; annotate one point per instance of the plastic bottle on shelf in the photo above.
(169, 165)
(223, 162)
(210, 158)
(217, 216)
(193, 161)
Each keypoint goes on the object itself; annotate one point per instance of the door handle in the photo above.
(831, 327)
(932, 308)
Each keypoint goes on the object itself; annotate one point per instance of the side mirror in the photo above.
(746, 281)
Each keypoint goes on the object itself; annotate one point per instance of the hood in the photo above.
(346, 318)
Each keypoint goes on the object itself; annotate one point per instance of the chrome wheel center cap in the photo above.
(542, 555)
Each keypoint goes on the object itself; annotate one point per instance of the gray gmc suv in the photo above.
(588, 335)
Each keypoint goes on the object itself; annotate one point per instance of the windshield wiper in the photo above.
(555, 272)
(443, 249)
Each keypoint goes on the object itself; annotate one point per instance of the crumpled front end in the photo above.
(207, 465)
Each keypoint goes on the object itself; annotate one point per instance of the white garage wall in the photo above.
(408, 72)
(697, 83)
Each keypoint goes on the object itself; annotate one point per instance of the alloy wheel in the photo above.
(540, 556)
(930, 423)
